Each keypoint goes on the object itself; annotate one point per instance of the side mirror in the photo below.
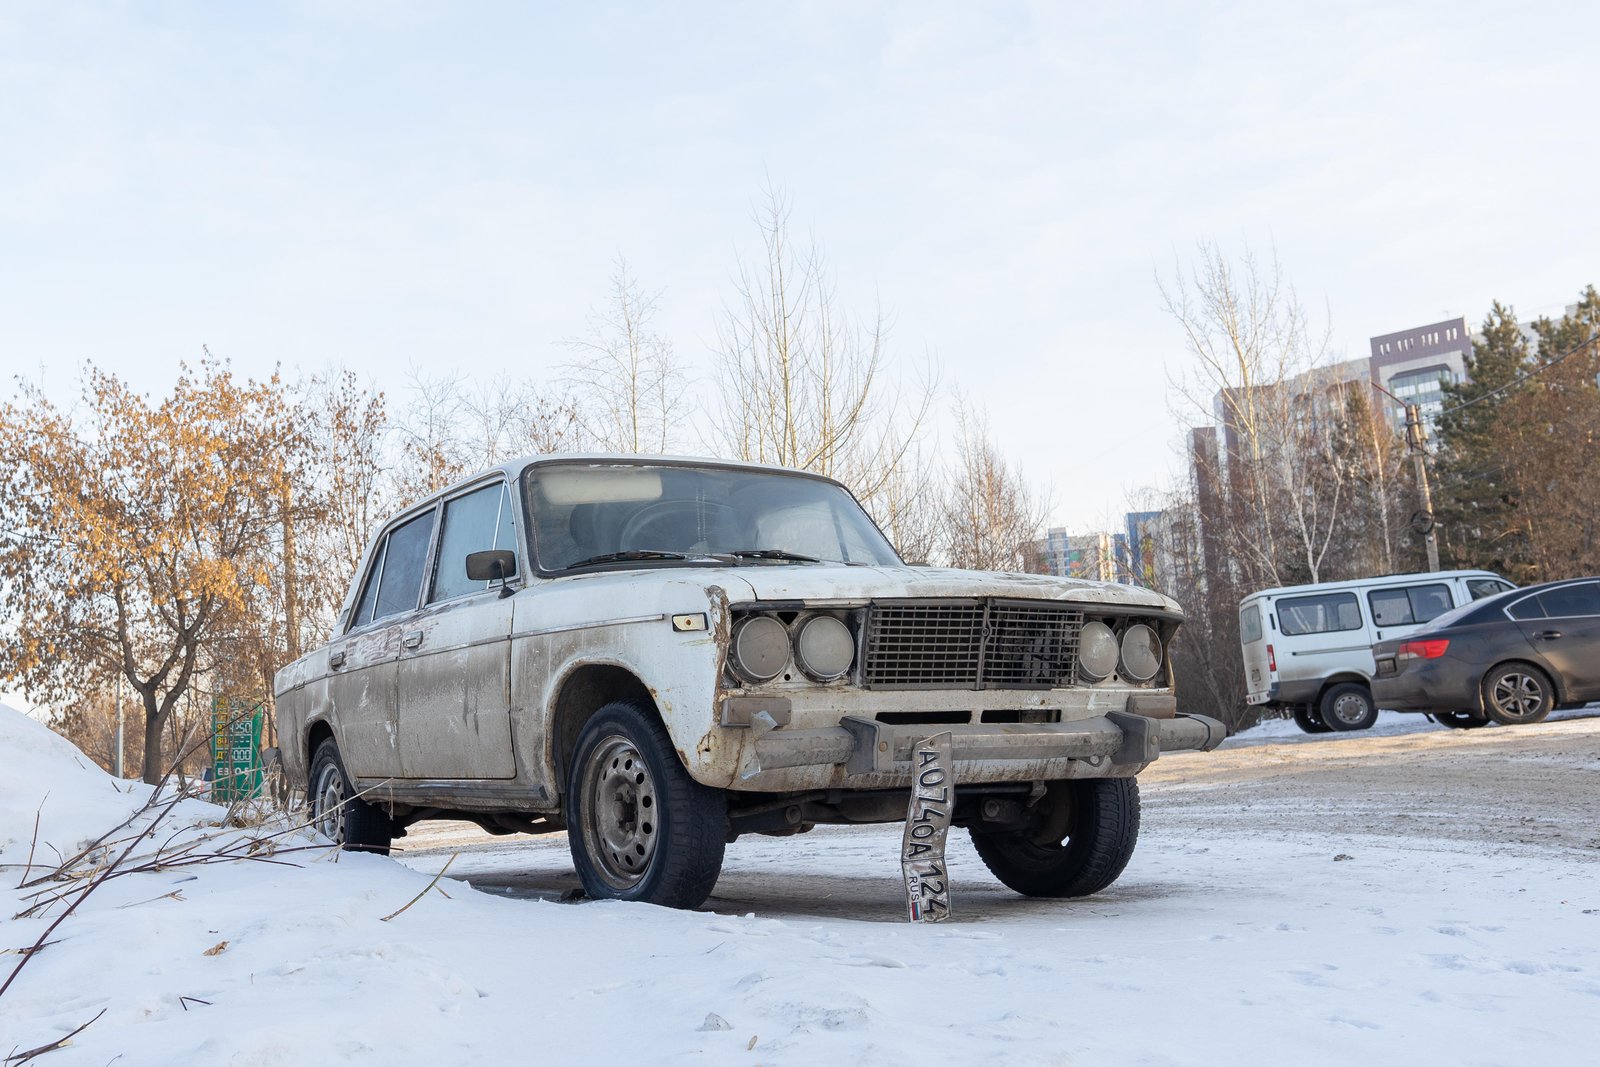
(492, 565)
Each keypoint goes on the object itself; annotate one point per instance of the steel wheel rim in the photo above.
(328, 805)
(1350, 708)
(1517, 695)
(620, 812)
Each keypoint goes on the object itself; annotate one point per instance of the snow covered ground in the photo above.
(1243, 931)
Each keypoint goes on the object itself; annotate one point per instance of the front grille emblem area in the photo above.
(970, 644)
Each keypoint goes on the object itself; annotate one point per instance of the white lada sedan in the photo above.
(659, 655)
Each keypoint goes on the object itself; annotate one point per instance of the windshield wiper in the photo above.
(629, 556)
(772, 553)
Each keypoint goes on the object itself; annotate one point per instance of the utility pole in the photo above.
(1417, 446)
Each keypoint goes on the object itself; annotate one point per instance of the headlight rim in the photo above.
(1122, 652)
(798, 632)
(1086, 671)
(741, 669)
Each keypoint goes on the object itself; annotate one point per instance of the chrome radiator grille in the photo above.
(970, 644)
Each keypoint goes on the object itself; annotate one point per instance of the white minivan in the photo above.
(1308, 648)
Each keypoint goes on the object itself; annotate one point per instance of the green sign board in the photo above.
(235, 749)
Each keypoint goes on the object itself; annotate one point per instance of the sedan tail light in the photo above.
(1424, 649)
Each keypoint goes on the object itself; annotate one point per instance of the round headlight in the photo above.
(1141, 652)
(824, 648)
(760, 648)
(1097, 651)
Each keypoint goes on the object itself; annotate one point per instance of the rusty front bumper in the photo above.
(1109, 744)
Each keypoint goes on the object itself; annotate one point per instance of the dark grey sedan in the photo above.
(1508, 659)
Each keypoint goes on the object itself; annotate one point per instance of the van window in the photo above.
(1408, 604)
(1321, 614)
(1479, 588)
(1250, 624)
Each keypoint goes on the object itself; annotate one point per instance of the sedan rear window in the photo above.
(1325, 613)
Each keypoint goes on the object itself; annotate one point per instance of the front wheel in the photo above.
(338, 813)
(1348, 706)
(1081, 838)
(639, 827)
(1517, 693)
(1306, 717)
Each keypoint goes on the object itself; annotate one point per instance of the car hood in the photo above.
(828, 581)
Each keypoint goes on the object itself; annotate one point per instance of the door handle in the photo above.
(1548, 635)
(413, 639)
(336, 659)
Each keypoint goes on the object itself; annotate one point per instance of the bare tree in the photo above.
(990, 520)
(803, 383)
(629, 383)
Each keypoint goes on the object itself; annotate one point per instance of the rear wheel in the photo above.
(1459, 720)
(639, 827)
(1082, 837)
(1306, 717)
(337, 813)
(1517, 693)
(1348, 706)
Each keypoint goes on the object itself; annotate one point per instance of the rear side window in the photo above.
(404, 557)
(1408, 604)
(1321, 614)
(1478, 588)
(1250, 624)
(1563, 603)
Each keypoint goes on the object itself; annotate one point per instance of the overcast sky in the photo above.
(445, 186)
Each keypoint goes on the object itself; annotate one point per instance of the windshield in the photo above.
(591, 513)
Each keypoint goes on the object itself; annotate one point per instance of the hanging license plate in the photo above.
(933, 800)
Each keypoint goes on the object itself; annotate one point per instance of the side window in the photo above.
(363, 612)
(1250, 624)
(1326, 613)
(1409, 604)
(403, 562)
(1390, 607)
(1478, 588)
(1526, 608)
(479, 520)
(1570, 601)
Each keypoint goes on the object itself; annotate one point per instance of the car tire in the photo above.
(639, 827)
(1516, 694)
(1305, 717)
(1347, 706)
(1459, 720)
(1080, 843)
(337, 813)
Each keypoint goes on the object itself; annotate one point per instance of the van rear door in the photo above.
(1259, 671)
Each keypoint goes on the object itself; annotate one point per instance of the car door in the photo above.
(362, 678)
(1563, 626)
(454, 669)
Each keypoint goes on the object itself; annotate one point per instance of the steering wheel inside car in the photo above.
(673, 525)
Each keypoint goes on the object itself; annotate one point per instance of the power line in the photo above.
(1574, 350)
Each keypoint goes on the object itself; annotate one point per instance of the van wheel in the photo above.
(1348, 706)
(338, 814)
(1305, 717)
(639, 827)
(1081, 840)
